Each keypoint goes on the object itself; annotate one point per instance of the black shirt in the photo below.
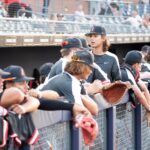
(109, 64)
(65, 85)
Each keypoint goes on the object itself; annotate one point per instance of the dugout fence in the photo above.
(120, 128)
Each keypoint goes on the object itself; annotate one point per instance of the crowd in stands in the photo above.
(133, 14)
(15, 8)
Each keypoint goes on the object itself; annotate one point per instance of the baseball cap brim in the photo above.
(3, 73)
(94, 33)
(84, 62)
(90, 33)
(24, 78)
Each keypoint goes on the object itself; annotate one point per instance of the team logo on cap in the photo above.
(22, 72)
(64, 43)
(92, 29)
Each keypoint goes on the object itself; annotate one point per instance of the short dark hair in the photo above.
(145, 48)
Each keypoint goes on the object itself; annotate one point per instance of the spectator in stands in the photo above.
(3, 12)
(107, 61)
(102, 9)
(17, 8)
(79, 14)
(79, 11)
(146, 21)
(26, 11)
(134, 20)
(45, 7)
(13, 9)
(115, 10)
(130, 71)
(68, 83)
(111, 9)
(60, 17)
(124, 9)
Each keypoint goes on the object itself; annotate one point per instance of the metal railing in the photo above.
(31, 26)
(120, 128)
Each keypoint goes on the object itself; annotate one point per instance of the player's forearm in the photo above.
(90, 104)
(141, 97)
(31, 104)
(54, 105)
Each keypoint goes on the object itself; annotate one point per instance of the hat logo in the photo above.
(64, 43)
(75, 58)
(92, 29)
(22, 72)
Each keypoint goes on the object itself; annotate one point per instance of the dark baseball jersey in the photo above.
(145, 67)
(109, 64)
(65, 85)
(126, 75)
(58, 67)
(97, 73)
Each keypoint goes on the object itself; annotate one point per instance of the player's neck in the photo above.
(98, 51)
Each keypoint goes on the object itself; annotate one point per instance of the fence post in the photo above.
(137, 128)
(111, 117)
(76, 142)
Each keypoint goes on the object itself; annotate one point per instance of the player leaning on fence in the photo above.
(131, 72)
(68, 83)
(16, 83)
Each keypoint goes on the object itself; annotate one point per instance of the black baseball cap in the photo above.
(145, 48)
(85, 44)
(71, 43)
(2, 72)
(45, 69)
(133, 57)
(96, 30)
(17, 74)
(84, 56)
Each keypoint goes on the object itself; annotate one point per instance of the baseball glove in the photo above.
(89, 128)
(114, 92)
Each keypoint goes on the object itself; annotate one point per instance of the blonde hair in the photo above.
(77, 68)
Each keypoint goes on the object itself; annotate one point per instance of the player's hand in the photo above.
(79, 109)
(19, 109)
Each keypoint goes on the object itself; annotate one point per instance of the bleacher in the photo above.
(13, 28)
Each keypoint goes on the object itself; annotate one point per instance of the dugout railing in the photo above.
(120, 128)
